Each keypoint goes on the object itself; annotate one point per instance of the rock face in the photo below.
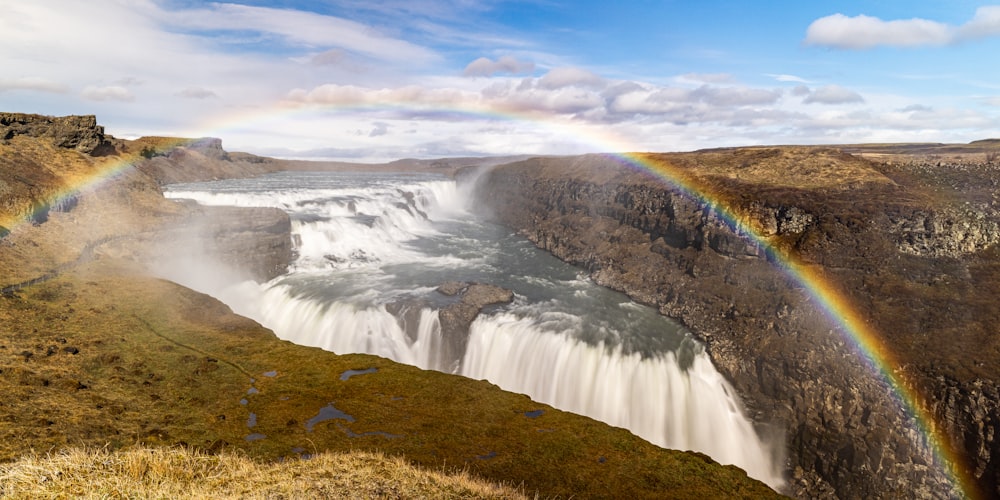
(456, 317)
(462, 303)
(925, 275)
(81, 133)
(249, 242)
(170, 160)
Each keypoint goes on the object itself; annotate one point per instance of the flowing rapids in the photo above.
(366, 241)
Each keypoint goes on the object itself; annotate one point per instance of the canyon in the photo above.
(98, 351)
(907, 234)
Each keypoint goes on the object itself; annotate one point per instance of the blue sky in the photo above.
(370, 81)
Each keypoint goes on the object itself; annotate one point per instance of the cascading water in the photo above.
(369, 244)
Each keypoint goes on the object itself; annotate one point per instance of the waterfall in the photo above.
(685, 408)
(370, 252)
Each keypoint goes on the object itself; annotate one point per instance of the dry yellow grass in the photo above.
(180, 473)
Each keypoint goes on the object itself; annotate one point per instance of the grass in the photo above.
(183, 473)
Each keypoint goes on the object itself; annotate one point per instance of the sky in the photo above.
(365, 80)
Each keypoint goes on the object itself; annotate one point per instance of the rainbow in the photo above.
(856, 329)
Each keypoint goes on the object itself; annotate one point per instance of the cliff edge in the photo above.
(912, 245)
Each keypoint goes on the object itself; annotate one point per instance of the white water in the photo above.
(362, 246)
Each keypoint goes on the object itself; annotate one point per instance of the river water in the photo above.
(365, 240)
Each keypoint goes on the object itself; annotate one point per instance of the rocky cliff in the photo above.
(81, 133)
(914, 253)
(170, 160)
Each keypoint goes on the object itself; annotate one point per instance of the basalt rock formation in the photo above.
(81, 133)
(458, 304)
(458, 316)
(912, 246)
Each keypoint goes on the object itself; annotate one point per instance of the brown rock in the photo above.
(73, 132)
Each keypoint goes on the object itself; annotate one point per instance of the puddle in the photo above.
(487, 456)
(252, 421)
(244, 402)
(271, 374)
(350, 373)
(252, 390)
(255, 437)
(327, 412)
(534, 413)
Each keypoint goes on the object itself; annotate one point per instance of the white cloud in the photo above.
(735, 96)
(866, 32)
(129, 81)
(700, 104)
(330, 57)
(788, 78)
(570, 77)
(379, 129)
(356, 96)
(801, 90)
(505, 64)
(916, 108)
(833, 94)
(303, 28)
(108, 93)
(708, 77)
(196, 93)
(985, 23)
(32, 83)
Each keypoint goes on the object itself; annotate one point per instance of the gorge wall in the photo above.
(916, 261)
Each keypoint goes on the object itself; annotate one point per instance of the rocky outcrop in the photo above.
(458, 304)
(844, 430)
(252, 243)
(458, 316)
(81, 133)
(171, 160)
(946, 233)
(256, 239)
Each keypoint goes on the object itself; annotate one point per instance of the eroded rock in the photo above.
(795, 368)
(81, 133)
